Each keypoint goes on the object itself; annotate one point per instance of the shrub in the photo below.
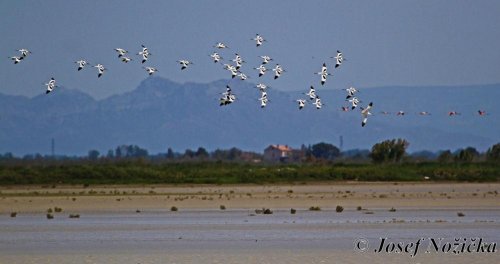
(392, 209)
(293, 211)
(460, 214)
(339, 209)
(267, 211)
(13, 214)
(174, 209)
(314, 208)
(222, 207)
(50, 216)
(389, 151)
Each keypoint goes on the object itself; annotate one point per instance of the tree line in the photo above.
(388, 151)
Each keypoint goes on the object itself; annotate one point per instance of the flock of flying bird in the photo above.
(234, 68)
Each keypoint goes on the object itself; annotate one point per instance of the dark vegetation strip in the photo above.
(137, 172)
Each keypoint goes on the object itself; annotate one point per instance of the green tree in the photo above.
(466, 155)
(189, 154)
(234, 153)
(118, 152)
(493, 153)
(325, 151)
(445, 157)
(93, 154)
(170, 154)
(201, 153)
(224, 154)
(389, 150)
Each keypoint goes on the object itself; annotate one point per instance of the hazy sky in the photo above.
(385, 42)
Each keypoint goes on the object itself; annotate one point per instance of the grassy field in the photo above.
(140, 172)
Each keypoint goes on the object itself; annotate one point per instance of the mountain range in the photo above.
(160, 114)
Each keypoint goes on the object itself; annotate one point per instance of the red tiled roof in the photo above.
(281, 147)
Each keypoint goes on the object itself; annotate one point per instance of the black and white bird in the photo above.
(453, 113)
(126, 59)
(144, 53)
(16, 59)
(81, 64)
(317, 103)
(232, 69)
(262, 87)
(121, 52)
(350, 92)
(262, 70)
(365, 112)
(220, 45)
(50, 85)
(184, 63)
(323, 73)
(344, 108)
(100, 70)
(24, 52)
(278, 70)
(400, 113)
(311, 93)
(424, 113)
(150, 70)
(258, 39)
(242, 76)
(238, 60)
(354, 102)
(263, 99)
(265, 59)
(227, 97)
(302, 103)
(339, 59)
(216, 57)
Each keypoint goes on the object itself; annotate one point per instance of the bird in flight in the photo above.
(81, 64)
(216, 57)
(184, 63)
(259, 40)
(365, 112)
(302, 103)
(220, 45)
(100, 70)
(121, 52)
(311, 93)
(323, 73)
(144, 53)
(50, 85)
(16, 59)
(150, 70)
(339, 59)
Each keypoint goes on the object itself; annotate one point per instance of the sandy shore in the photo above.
(76, 199)
(134, 224)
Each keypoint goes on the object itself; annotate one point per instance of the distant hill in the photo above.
(161, 114)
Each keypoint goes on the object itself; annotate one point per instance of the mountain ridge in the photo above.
(161, 113)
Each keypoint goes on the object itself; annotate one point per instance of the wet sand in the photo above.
(110, 230)
(350, 195)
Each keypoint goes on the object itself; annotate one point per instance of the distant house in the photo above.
(277, 153)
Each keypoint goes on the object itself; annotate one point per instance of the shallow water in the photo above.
(226, 232)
